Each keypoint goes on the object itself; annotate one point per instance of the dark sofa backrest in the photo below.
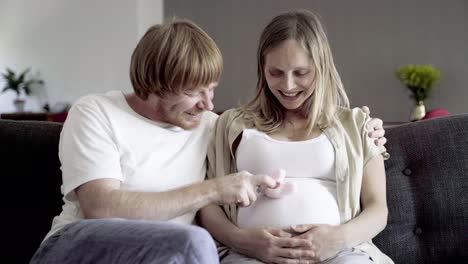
(31, 180)
(427, 190)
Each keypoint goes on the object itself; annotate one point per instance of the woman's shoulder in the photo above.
(230, 116)
(351, 116)
(232, 122)
(230, 112)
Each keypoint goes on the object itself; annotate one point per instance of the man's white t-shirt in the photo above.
(103, 137)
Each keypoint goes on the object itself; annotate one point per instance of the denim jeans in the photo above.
(127, 241)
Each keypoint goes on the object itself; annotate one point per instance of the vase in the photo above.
(419, 111)
(19, 105)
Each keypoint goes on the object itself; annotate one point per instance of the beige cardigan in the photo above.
(352, 146)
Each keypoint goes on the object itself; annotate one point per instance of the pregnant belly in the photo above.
(314, 202)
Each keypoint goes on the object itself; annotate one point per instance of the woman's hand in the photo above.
(326, 240)
(272, 245)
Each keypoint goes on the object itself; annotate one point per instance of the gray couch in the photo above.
(427, 189)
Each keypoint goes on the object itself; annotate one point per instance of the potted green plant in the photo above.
(19, 83)
(419, 79)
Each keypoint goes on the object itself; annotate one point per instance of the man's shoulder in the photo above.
(95, 99)
(95, 108)
(209, 120)
(210, 116)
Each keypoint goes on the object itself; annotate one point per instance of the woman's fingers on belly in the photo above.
(286, 242)
(277, 232)
(296, 253)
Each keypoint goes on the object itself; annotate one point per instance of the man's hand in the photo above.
(326, 240)
(375, 127)
(241, 188)
(271, 245)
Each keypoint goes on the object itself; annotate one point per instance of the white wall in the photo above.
(369, 39)
(149, 12)
(77, 47)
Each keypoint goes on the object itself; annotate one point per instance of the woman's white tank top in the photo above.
(310, 164)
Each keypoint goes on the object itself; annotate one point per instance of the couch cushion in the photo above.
(31, 180)
(427, 192)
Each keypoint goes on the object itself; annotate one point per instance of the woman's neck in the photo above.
(294, 128)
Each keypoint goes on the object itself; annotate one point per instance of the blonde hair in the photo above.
(173, 57)
(303, 26)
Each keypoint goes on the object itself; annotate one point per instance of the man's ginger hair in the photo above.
(174, 57)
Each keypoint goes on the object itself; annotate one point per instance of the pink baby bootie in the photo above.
(283, 187)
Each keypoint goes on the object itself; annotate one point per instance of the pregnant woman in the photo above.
(299, 121)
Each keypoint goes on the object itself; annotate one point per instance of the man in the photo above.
(133, 165)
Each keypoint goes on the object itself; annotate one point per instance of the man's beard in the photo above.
(182, 121)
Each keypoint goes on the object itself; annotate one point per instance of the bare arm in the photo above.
(373, 218)
(103, 198)
(328, 240)
(216, 222)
